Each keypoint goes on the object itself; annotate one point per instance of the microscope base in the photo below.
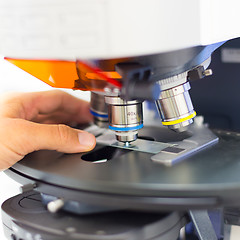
(25, 217)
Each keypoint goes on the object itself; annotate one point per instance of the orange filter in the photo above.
(67, 74)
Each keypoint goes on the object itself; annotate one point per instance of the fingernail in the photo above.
(86, 139)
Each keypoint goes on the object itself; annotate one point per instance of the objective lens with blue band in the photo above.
(99, 110)
(125, 117)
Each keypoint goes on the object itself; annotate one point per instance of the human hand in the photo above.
(33, 121)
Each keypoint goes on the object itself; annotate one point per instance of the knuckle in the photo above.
(58, 92)
(63, 133)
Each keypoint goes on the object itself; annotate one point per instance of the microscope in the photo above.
(156, 173)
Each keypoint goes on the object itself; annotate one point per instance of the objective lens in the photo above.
(175, 107)
(98, 109)
(125, 117)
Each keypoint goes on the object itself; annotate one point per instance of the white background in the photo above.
(14, 79)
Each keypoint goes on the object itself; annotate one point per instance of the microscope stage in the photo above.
(130, 179)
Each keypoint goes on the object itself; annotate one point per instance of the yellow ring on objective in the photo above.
(179, 120)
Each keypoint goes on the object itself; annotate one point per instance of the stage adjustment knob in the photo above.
(55, 206)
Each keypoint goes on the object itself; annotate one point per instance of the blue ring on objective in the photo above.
(98, 115)
(126, 128)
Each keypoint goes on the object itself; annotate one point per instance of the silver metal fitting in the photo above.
(125, 117)
(208, 72)
(175, 107)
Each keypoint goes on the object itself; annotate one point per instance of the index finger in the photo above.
(29, 105)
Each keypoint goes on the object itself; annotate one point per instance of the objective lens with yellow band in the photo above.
(175, 107)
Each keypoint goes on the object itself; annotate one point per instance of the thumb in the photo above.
(61, 138)
(19, 137)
